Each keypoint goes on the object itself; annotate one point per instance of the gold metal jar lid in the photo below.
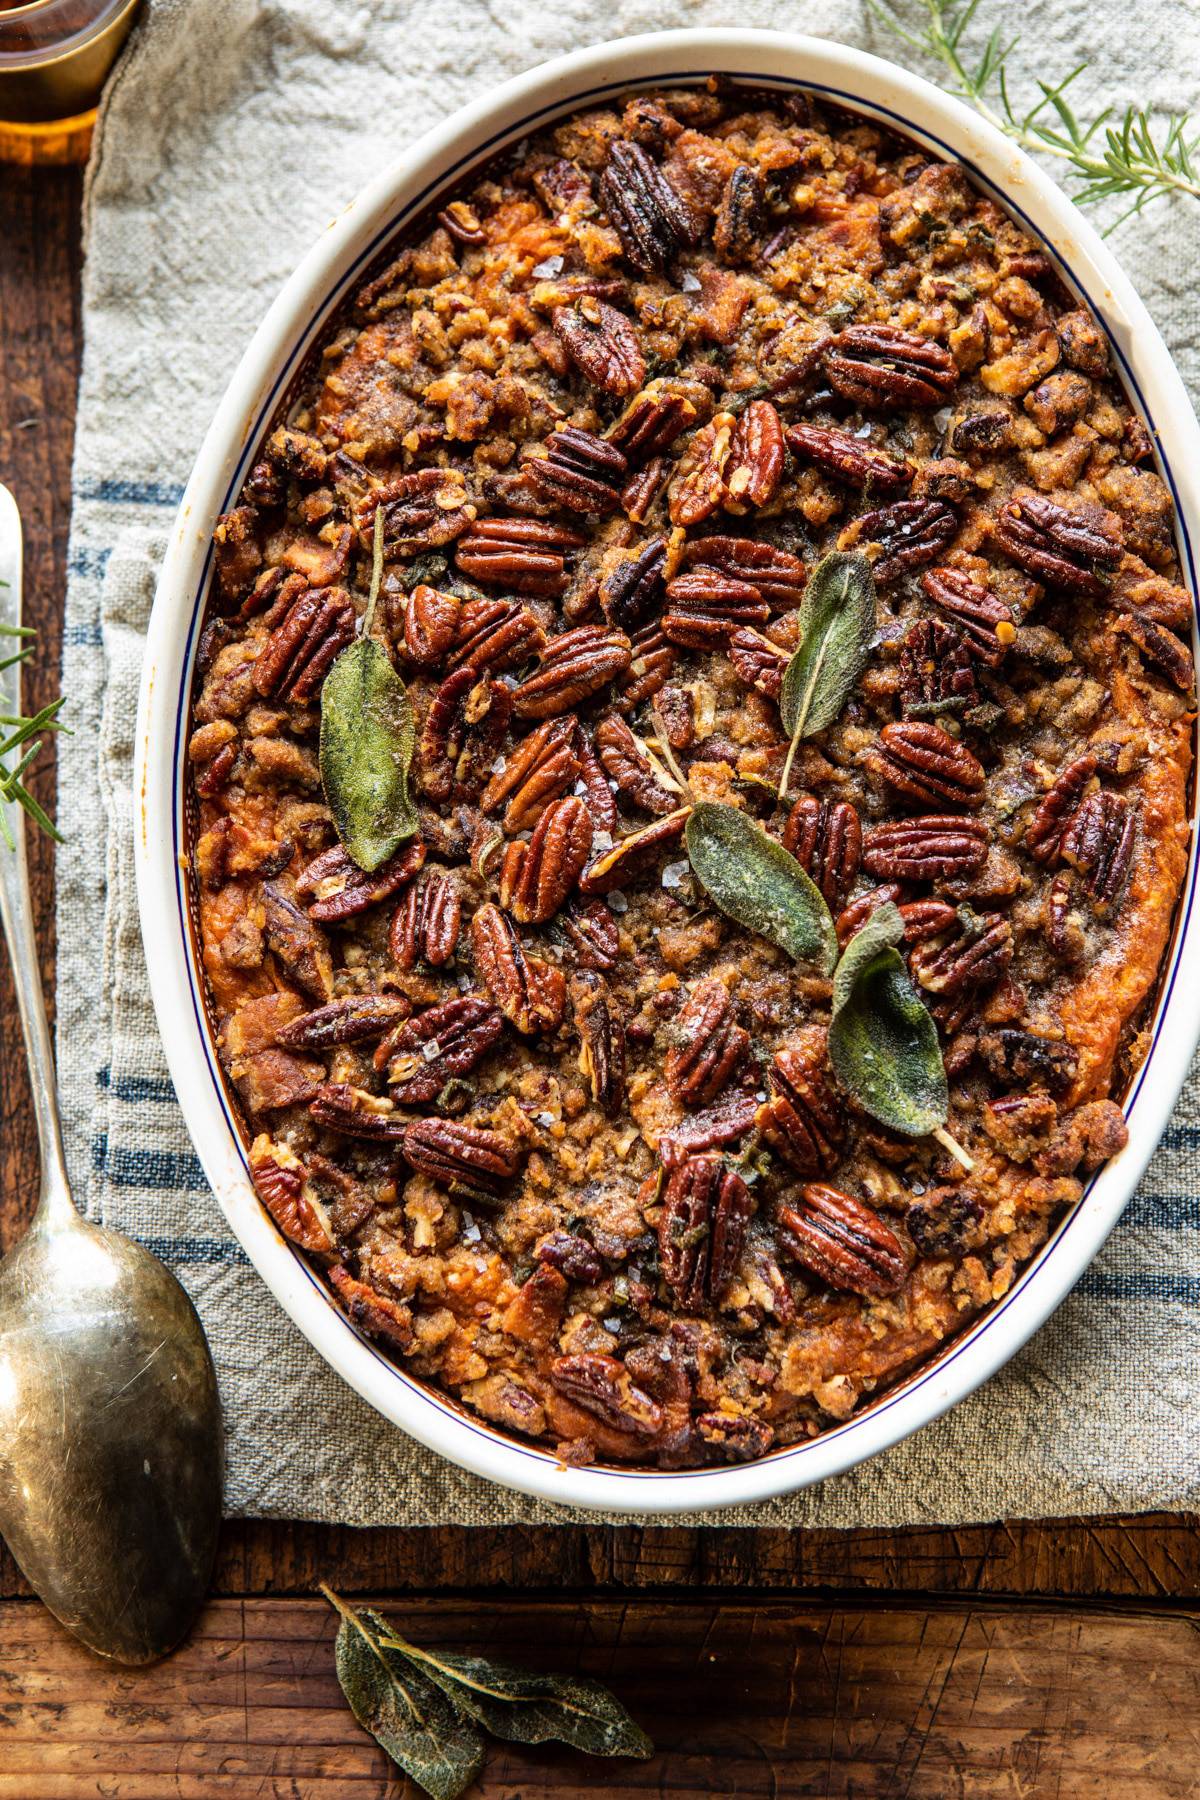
(56, 54)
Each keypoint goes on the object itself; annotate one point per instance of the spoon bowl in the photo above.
(110, 1432)
(110, 1422)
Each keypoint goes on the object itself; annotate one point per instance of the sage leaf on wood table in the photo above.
(837, 624)
(758, 884)
(402, 1708)
(368, 735)
(528, 1709)
(425, 1707)
(883, 1044)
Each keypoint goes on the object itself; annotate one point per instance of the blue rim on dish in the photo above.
(972, 1333)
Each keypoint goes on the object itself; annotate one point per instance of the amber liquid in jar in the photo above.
(55, 56)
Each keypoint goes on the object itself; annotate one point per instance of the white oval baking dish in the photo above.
(946, 127)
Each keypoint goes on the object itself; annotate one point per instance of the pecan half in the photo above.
(779, 576)
(593, 787)
(430, 625)
(653, 221)
(572, 1256)
(652, 659)
(923, 764)
(463, 731)
(531, 994)
(849, 459)
(984, 621)
(705, 606)
(1044, 836)
(592, 928)
(882, 367)
(630, 593)
(535, 878)
(651, 422)
(300, 946)
(349, 1021)
(1098, 844)
(932, 847)
(526, 555)
(626, 764)
(1018, 1058)
(736, 1436)
(803, 1122)
(426, 924)
(1075, 551)
(754, 467)
(643, 488)
(421, 511)
(541, 768)
(702, 1230)
(282, 1184)
(1161, 649)
(825, 837)
(495, 635)
(724, 1123)
(937, 673)
(572, 667)
(462, 223)
(602, 343)
(426, 1052)
(600, 1385)
(218, 772)
(974, 957)
(758, 661)
(709, 1045)
(579, 471)
(372, 1312)
(463, 1158)
(843, 1242)
(699, 485)
(601, 1041)
(922, 918)
(634, 855)
(302, 647)
(740, 214)
(909, 533)
(354, 1113)
(342, 889)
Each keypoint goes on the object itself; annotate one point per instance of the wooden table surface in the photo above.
(1025, 1660)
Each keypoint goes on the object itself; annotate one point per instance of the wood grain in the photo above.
(910, 1702)
(39, 374)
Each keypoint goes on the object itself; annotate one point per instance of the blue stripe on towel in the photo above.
(88, 564)
(136, 1088)
(161, 1170)
(132, 493)
(225, 1252)
(1108, 1284)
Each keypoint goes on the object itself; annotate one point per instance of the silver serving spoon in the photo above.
(110, 1424)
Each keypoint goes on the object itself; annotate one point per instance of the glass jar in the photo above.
(54, 58)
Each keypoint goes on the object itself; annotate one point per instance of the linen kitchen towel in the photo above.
(233, 131)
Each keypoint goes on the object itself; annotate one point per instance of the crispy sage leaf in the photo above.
(755, 882)
(883, 1044)
(837, 623)
(527, 1708)
(367, 739)
(402, 1708)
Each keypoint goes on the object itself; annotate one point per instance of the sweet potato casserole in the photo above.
(690, 753)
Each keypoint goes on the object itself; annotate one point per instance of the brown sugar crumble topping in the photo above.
(566, 1138)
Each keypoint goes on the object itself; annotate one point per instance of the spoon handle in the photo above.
(16, 906)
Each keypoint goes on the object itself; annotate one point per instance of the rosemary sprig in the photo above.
(1116, 154)
(23, 731)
